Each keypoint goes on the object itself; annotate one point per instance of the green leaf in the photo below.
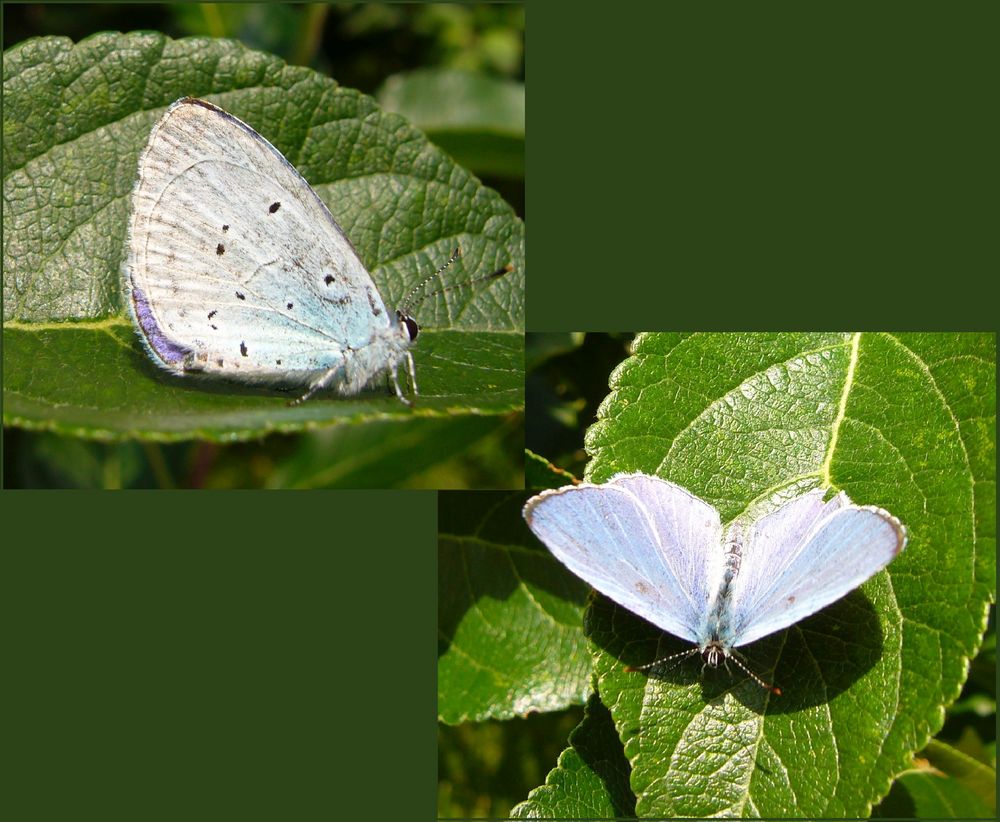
(510, 638)
(540, 473)
(592, 778)
(75, 120)
(946, 785)
(904, 421)
(478, 120)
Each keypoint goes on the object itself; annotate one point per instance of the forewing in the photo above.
(805, 556)
(639, 540)
(226, 236)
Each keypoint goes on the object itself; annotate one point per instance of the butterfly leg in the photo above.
(399, 391)
(412, 371)
(317, 385)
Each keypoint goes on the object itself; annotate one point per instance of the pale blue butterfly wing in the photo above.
(646, 543)
(237, 269)
(658, 550)
(805, 556)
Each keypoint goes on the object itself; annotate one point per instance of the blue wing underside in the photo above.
(235, 264)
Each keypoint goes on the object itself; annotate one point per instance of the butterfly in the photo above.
(662, 552)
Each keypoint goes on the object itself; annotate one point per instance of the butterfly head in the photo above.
(713, 654)
(407, 322)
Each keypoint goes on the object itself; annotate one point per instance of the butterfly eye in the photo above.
(412, 329)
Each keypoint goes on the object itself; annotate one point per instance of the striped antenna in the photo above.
(408, 306)
(733, 655)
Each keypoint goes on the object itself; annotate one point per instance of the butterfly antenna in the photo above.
(656, 662)
(407, 307)
(691, 652)
(767, 687)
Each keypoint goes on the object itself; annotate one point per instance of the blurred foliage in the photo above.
(470, 453)
(359, 45)
(566, 379)
(486, 768)
(478, 120)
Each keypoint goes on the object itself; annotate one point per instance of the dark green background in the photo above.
(208, 656)
(767, 166)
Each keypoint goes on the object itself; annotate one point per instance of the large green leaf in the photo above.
(509, 638)
(592, 778)
(75, 120)
(904, 421)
